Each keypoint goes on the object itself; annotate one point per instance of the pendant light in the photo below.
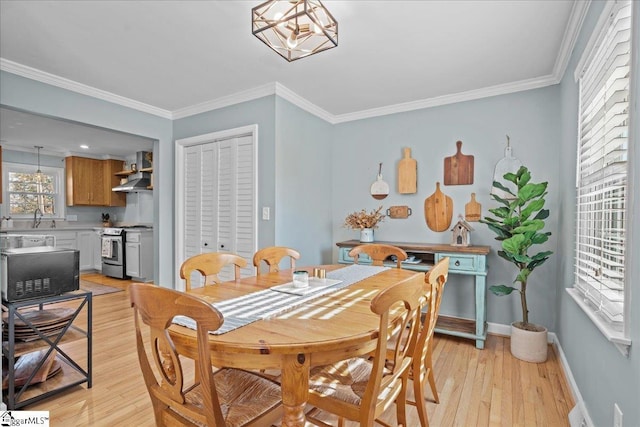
(505, 165)
(295, 28)
(38, 172)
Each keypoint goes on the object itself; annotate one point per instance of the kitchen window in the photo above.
(604, 140)
(25, 191)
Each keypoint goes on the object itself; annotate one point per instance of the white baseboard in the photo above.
(579, 416)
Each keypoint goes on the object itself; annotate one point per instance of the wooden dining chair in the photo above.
(422, 363)
(272, 256)
(228, 397)
(362, 388)
(209, 265)
(378, 253)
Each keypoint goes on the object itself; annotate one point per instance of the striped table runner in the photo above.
(241, 311)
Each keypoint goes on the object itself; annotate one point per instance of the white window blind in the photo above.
(602, 169)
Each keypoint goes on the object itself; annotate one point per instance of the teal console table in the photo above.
(465, 260)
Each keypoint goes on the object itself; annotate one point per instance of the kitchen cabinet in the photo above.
(139, 255)
(85, 181)
(64, 239)
(113, 198)
(22, 319)
(87, 243)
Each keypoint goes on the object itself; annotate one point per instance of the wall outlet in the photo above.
(617, 416)
(266, 213)
(72, 217)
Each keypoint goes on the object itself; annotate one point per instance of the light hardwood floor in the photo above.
(477, 387)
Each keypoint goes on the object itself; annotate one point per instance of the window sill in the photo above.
(618, 339)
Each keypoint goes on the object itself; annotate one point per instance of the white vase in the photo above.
(530, 346)
(366, 235)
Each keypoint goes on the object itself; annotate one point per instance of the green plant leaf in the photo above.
(501, 212)
(533, 264)
(534, 206)
(500, 231)
(540, 238)
(527, 226)
(502, 290)
(511, 178)
(531, 191)
(524, 175)
(507, 256)
(511, 222)
(543, 214)
(513, 244)
(541, 255)
(497, 184)
(500, 199)
(523, 259)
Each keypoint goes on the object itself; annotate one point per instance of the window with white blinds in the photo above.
(602, 169)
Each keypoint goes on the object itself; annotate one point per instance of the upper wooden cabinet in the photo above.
(113, 198)
(89, 182)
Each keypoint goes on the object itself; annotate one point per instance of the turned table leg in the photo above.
(295, 388)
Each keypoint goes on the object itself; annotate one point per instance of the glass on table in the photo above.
(300, 279)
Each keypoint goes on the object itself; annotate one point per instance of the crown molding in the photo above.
(302, 103)
(236, 98)
(61, 82)
(578, 14)
(471, 95)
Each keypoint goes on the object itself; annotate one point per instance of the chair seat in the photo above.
(244, 396)
(345, 380)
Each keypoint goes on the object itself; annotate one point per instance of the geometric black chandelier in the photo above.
(295, 28)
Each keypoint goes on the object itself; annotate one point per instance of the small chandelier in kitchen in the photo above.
(295, 28)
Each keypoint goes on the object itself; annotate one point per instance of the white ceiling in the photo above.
(175, 58)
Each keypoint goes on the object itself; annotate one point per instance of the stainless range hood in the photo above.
(139, 181)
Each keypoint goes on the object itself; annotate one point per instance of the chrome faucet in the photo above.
(37, 220)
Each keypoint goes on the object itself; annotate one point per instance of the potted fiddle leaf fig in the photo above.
(519, 225)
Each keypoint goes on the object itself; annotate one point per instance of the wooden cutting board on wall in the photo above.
(438, 210)
(472, 210)
(407, 173)
(458, 169)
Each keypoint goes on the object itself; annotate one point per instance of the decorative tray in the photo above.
(314, 286)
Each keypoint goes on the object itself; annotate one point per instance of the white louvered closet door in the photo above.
(219, 200)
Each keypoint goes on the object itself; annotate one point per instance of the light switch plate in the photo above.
(266, 214)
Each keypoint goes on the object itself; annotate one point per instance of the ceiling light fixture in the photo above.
(295, 28)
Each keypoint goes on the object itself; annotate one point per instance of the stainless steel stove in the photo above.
(112, 250)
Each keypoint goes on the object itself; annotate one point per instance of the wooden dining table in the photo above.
(326, 329)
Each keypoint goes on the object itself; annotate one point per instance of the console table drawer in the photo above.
(345, 258)
(459, 262)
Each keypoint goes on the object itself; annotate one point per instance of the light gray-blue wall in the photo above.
(303, 183)
(40, 98)
(603, 375)
(530, 118)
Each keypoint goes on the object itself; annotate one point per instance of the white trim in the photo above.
(57, 172)
(225, 101)
(53, 80)
(578, 13)
(471, 95)
(577, 396)
(595, 39)
(180, 145)
(618, 338)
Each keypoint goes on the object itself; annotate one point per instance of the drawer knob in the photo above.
(457, 264)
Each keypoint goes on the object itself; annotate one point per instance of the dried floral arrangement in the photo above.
(362, 219)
